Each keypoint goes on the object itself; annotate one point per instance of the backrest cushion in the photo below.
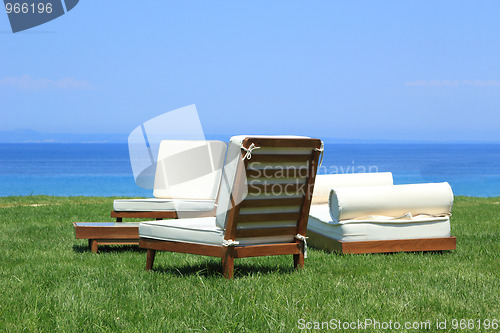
(189, 169)
(324, 183)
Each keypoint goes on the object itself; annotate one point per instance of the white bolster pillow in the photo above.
(347, 203)
(324, 183)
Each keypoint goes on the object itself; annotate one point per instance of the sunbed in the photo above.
(262, 208)
(381, 217)
(187, 180)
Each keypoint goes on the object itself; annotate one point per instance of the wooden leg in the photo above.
(298, 260)
(93, 245)
(118, 219)
(228, 262)
(150, 259)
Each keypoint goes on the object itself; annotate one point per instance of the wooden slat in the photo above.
(283, 143)
(237, 192)
(275, 189)
(400, 245)
(206, 250)
(263, 232)
(288, 172)
(279, 158)
(267, 250)
(304, 214)
(254, 203)
(98, 231)
(262, 217)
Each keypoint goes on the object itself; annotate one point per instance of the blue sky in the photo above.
(373, 70)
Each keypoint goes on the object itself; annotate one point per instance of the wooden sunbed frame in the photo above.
(229, 253)
(158, 215)
(102, 233)
(323, 242)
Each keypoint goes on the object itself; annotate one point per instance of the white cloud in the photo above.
(26, 82)
(453, 83)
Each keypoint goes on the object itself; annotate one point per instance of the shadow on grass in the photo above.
(109, 248)
(214, 269)
(80, 248)
(208, 268)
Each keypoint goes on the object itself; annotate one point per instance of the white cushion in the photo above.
(198, 231)
(234, 161)
(154, 204)
(189, 169)
(348, 203)
(324, 183)
(380, 228)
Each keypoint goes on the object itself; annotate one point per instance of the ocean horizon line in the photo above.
(31, 136)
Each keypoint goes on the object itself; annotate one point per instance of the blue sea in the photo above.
(104, 169)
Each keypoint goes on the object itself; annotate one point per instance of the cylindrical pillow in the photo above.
(324, 183)
(347, 203)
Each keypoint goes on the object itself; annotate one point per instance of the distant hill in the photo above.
(30, 136)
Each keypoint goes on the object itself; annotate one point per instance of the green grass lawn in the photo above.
(51, 281)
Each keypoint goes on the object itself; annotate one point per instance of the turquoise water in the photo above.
(104, 169)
